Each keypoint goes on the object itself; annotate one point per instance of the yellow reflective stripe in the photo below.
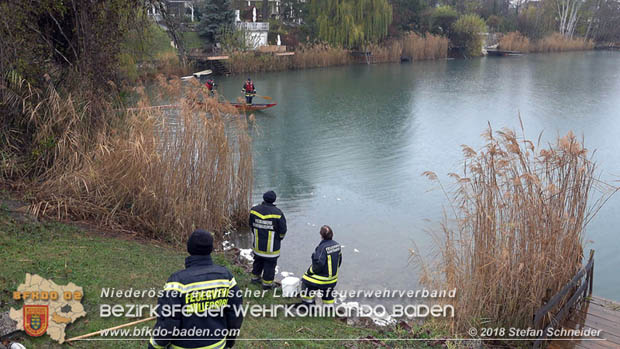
(268, 216)
(217, 345)
(154, 344)
(304, 296)
(233, 282)
(320, 277)
(270, 241)
(266, 254)
(255, 239)
(267, 282)
(177, 286)
(320, 282)
(328, 301)
(329, 265)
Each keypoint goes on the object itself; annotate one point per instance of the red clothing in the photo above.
(249, 87)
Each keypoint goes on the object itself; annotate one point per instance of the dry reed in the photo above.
(520, 213)
(155, 173)
(514, 41)
(557, 43)
(425, 47)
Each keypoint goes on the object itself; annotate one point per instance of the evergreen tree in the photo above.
(217, 18)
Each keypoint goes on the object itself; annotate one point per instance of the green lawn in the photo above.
(91, 260)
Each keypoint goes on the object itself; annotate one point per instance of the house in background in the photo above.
(255, 32)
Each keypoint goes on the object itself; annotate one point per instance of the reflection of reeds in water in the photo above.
(145, 177)
(520, 213)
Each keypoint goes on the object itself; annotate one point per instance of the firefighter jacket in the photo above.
(326, 261)
(249, 89)
(209, 296)
(268, 225)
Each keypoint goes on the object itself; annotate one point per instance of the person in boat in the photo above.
(321, 278)
(268, 225)
(202, 296)
(210, 84)
(249, 90)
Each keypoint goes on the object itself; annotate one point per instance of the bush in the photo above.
(442, 18)
(466, 34)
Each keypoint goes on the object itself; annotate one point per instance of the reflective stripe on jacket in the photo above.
(326, 261)
(199, 288)
(268, 226)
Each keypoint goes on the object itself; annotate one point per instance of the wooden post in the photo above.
(111, 329)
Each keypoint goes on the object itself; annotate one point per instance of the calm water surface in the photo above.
(346, 146)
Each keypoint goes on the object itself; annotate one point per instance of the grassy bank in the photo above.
(93, 259)
(555, 42)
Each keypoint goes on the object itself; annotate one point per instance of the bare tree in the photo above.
(173, 24)
(568, 15)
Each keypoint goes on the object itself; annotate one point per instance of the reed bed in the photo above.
(519, 216)
(323, 55)
(514, 41)
(425, 47)
(555, 42)
(153, 173)
(319, 55)
(558, 43)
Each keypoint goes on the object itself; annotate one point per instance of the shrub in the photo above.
(466, 34)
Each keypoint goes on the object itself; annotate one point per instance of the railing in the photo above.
(253, 26)
(580, 289)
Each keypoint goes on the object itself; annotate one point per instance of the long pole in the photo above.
(111, 329)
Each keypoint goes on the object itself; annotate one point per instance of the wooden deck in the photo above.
(597, 314)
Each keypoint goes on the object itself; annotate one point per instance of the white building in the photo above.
(255, 33)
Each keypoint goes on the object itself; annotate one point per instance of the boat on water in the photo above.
(254, 106)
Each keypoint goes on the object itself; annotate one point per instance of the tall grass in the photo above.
(154, 173)
(519, 216)
(425, 47)
(555, 42)
(514, 41)
(323, 55)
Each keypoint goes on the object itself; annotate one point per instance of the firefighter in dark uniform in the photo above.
(201, 288)
(268, 225)
(322, 276)
(249, 90)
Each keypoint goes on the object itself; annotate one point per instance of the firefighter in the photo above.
(210, 84)
(269, 227)
(322, 276)
(249, 90)
(201, 289)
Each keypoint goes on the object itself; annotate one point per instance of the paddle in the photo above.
(265, 97)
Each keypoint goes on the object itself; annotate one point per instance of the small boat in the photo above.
(253, 107)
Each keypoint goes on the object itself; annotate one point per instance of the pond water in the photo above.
(346, 147)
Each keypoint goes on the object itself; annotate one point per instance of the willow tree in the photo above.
(350, 23)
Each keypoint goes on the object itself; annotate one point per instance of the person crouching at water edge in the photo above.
(269, 227)
(203, 299)
(322, 276)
